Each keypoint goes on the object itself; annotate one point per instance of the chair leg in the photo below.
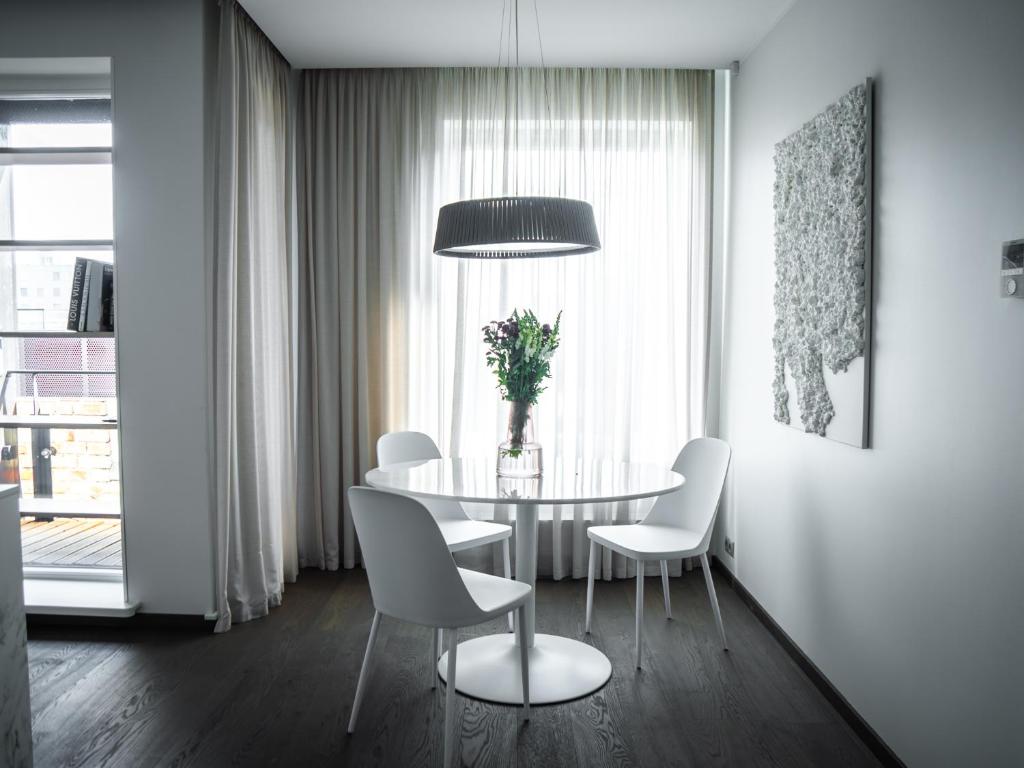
(714, 598)
(361, 685)
(664, 588)
(524, 663)
(508, 575)
(591, 565)
(433, 656)
(449, 702)
(639, 609)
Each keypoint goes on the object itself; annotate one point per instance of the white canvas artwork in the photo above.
(822, 334)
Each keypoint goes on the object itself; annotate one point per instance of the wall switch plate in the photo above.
(730, 547)
(1012, 274)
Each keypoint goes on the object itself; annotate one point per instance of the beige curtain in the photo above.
(390, 334)
(254, 398)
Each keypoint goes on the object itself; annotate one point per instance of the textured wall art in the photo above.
(823, 271)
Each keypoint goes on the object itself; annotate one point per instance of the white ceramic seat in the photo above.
(678, 525)
(458, 529)
(492, 593)
(647, 542)
(465, 534)
(413, 578)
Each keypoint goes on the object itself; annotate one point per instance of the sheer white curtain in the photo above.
(254, 457)
(397, 329)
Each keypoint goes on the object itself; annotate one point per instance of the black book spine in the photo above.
(77, 283)
(94, 308)
(83, 306)
(107, 316)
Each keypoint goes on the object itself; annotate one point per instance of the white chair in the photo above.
(413, 578)
(458, 529)
(678, 525)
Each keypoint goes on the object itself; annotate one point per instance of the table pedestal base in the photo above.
(561, 669)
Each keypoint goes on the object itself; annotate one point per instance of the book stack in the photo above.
(92, 296)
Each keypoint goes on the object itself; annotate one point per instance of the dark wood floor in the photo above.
(277, 691)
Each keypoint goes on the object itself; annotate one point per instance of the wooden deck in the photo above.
(77, 542)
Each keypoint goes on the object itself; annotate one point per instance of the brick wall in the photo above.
(85, 462)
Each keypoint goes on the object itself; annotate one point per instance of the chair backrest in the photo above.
(704, 463)
(399, 447)
(411, 572)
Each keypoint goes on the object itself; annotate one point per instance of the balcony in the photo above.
(61, 448)
(71, 543)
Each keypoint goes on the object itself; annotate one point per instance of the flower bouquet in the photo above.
(519, 351)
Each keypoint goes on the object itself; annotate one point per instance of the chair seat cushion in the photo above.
(462, 533)
(648, 542)
(492, 594)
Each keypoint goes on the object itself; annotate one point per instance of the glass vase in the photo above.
(519, 455)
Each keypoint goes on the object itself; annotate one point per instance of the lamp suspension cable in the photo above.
(543, 66)
(515, 112)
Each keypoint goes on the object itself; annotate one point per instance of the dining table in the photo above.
(561, 668)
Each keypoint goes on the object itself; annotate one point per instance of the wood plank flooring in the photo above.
(278, 691)
(78, 542)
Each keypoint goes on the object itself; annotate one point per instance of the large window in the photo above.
(628, 380)
(58, 391)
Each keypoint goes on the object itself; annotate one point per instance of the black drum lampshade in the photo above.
(516, 228)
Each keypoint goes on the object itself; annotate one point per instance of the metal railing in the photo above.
(35, 374)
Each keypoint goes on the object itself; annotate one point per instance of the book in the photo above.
(94, 296)
(107, 312)
(75, 306)
(91, 307)
(83, 306)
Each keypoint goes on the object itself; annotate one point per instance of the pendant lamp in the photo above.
(516, 227)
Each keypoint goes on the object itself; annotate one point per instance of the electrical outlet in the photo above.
(730, 547)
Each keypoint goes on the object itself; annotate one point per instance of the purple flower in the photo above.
(546, 329)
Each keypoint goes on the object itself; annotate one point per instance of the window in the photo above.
(58, 390)
(627, 382)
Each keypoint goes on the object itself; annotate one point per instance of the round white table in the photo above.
(561, 669)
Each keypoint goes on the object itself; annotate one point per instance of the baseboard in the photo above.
(160, 621)
(865, 732)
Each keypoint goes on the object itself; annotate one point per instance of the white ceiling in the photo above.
(406, 33)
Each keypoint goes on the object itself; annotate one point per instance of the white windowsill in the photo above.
(72, 573)
(76, 597)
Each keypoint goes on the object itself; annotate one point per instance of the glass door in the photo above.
(58, 383)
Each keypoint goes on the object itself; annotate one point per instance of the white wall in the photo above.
(896, 569)
(158, 59)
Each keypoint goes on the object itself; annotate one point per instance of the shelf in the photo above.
(56, 334)
(55, 422)
(56, 245)
(31, 506)
(55, 156)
